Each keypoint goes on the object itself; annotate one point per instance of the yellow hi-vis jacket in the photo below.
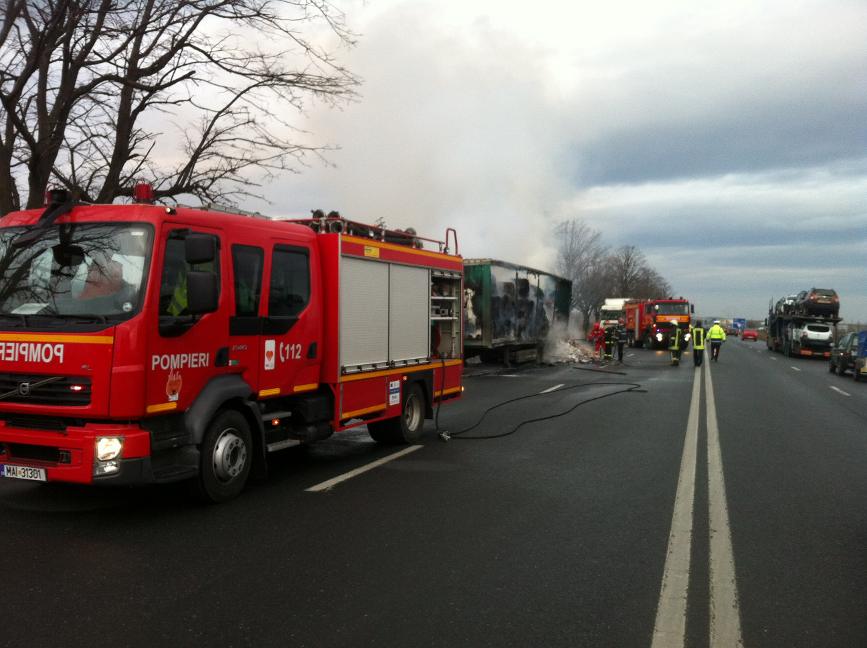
(698, 338)
(677, 340)
(716, 332)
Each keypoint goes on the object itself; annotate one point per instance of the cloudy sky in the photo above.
(727, 140)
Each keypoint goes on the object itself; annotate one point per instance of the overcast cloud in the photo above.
(727, 140)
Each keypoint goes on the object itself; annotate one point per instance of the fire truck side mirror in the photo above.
(202, 292)
(692, 308)
(200, 248)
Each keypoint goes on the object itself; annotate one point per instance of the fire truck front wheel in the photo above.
(406, 428)
(226, 457)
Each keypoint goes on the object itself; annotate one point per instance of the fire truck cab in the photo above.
(652, 322)
(141, 343)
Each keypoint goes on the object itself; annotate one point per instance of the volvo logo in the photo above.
(24, 389)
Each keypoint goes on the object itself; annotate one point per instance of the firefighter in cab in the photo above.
(697, 343)
(679, 341)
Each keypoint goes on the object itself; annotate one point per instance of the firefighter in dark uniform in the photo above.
(697, 343)
(621, 338)
(679, 341)
(610, 341)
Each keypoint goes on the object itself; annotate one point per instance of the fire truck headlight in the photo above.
(108, 448)
(686, 338)
(659, 337)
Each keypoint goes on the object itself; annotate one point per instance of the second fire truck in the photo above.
(651, 322)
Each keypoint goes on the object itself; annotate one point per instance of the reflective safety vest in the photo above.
(698, 338)
(716, 332)
(178, 304)
(677, 340)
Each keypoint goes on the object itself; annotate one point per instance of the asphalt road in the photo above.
(557, 533)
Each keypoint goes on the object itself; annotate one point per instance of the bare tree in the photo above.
(627, 264)
(598, 273)
(651, 285)
(632, 276)
(93, 92)
(581, 258)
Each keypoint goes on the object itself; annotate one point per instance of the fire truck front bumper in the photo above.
(88, 454)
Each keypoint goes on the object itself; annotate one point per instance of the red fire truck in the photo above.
(651, 322)
(141, 343)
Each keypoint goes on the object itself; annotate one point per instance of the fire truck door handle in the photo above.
(222, 357)
(311, 351)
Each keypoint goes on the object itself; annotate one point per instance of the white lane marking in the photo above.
(772, 358)
(725, 616)
(328, 485)
(840, 391)
(795, 368)
(669, 630)
(550, 389)
(508, 375)
(629, 355)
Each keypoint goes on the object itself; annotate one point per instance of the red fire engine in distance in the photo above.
(651, 322)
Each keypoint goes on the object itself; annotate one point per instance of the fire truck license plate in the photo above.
(22, 472)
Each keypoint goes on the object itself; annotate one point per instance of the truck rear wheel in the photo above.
(406, 428)
(226, 457)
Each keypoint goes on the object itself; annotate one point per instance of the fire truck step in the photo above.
(280, 445)
(270, 416)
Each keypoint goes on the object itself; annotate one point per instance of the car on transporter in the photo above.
(822, 302)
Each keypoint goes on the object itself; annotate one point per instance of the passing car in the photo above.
(822, 302)
(750, 334)
(843, 355)
(859, 367)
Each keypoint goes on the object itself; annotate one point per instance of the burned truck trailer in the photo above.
(510, 309)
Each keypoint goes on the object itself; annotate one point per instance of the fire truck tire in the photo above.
(648, 341)
(406, 428)
(226, 457)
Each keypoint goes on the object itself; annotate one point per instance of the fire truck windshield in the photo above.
(672, 308)
(73, 270)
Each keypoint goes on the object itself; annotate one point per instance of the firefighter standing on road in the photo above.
(621, 339)
(697, 343)
(610, 341)
(679, 341)
(717, 336)
(597, 336)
